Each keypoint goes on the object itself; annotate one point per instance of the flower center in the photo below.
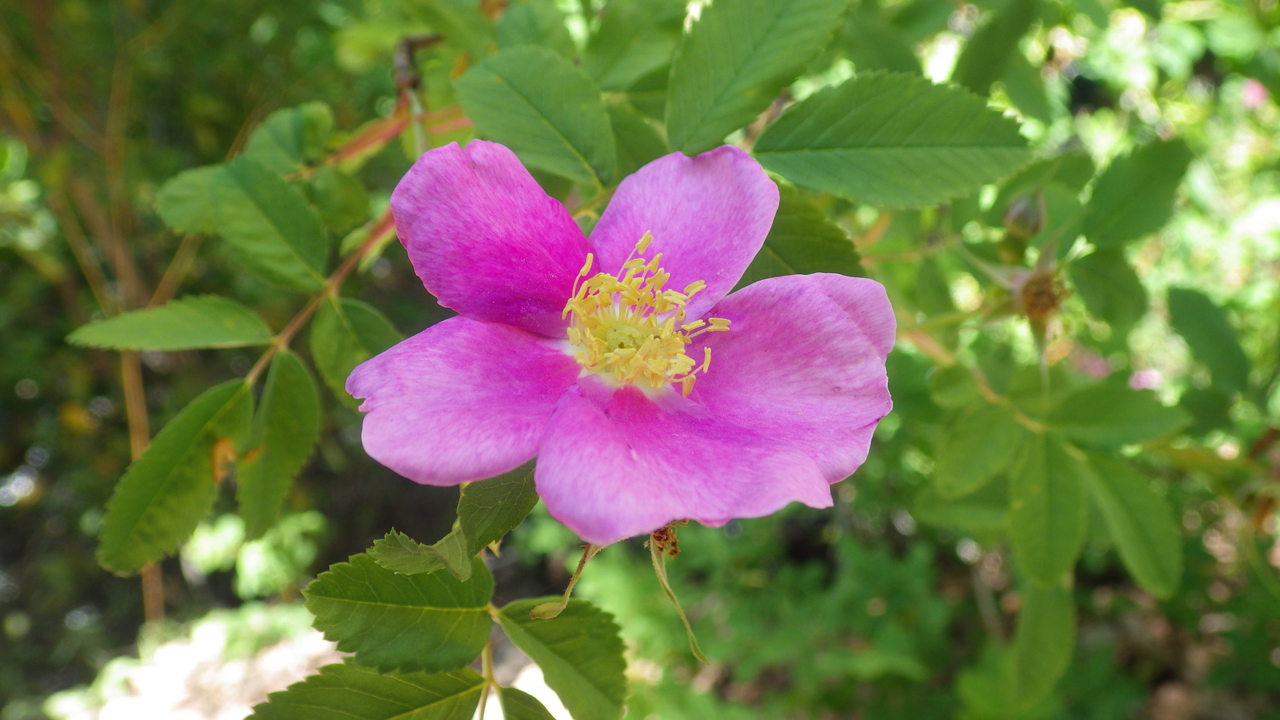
(630, 329)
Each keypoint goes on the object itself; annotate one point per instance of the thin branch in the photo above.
(178, 268)
(85, 258)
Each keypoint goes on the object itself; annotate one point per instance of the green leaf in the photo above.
(186, 203)
(802, 240)
(871, 43)
(736, 59)
(269, 226)
(1141, 523)
(1114, 415)
(991, 48)
(1071, 171)
(291, 137)
(1026, 89)
(637, 141)
(487, 510)
(545, 109)
(461, 22)
(535, 22)
(1043, 644)
(1211, 337)
(339, 198)
(407, 622)
(1110, 288)
(403, 555)
(580, 654)
(520, 705)
(197, 321)
(285, 431)
(1048, 511)
(979, 445)
(636, 39)
(1134, 196)
(167, 491)
(1209, 407)
(344, 334)
(351, 692)
(892, 139)
(983, 511)
(953, 387)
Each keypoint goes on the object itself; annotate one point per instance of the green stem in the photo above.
(546, 611)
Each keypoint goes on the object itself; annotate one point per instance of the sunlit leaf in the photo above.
(487, 510)
(169, 489)
(871, 43)
(736, 59)
(520, 705)
(545, 109)
(186, 202)
(579, 652)
(535, 22)
(461, 21)
(1211, 336)
(1141, 523)
(285, 431)
(1110, 288)
(636, 38)
(892, 139)
(1134, 196)
(339, 198)
(1043, 643)
(978, 445)
(196, 321)
(290, 137)
(351, 692)
(345, 333)
(990, 50)
(1048, 509)
(637, 141)
(1115, 415)
(801, 241)
(407, 622)
(269, 226)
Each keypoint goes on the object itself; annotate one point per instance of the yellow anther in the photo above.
(629, 328)
(586, 267)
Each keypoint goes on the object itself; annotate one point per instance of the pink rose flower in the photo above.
(596, 355)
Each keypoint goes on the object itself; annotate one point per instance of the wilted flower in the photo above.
(646, 391)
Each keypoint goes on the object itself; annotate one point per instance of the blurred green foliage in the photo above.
(1151, 343)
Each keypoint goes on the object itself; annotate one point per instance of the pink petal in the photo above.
(486, 240)
(616, 463)
(708, 214)
(461, 400)
(803, 364)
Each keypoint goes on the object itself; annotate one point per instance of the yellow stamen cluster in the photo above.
(631, 329)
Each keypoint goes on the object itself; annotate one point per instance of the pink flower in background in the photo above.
(646, 391)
